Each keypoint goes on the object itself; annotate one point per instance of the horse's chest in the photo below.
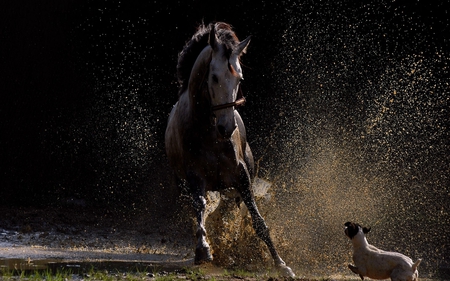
(219, 156)
(217, 162)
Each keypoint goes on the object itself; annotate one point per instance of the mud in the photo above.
(78, 235)
(36, 238)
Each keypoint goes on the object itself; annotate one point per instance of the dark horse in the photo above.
(205, 137)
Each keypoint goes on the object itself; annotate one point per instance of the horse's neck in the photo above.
(198, 77)
(193, 115)
(196, 93)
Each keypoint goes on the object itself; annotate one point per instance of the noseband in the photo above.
(237, 103)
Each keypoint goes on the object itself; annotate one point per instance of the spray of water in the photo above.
(360, 133)
(350, 122)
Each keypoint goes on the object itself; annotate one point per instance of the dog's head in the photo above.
(351, 229)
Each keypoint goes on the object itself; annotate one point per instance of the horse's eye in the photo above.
(215, 79)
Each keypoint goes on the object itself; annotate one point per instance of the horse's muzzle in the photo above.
(225, 126)
(224, 133)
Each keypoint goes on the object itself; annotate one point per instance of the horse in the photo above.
(205, 138)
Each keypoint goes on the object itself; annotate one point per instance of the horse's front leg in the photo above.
(202, 249)
(259, 225)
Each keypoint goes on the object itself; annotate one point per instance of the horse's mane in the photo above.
(190, 52)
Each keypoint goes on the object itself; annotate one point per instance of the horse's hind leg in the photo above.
(259, 224)
(202, 249)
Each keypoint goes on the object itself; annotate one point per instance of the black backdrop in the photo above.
(86, 87)
(69, 70)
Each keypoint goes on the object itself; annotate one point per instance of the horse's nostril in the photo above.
(222, 130)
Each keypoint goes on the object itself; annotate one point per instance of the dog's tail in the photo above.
(416, 264)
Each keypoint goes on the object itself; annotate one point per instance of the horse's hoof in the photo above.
(286, 271)
(202, 255)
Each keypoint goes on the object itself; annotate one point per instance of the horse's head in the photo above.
(224, 77)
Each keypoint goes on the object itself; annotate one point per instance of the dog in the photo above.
(375, 263)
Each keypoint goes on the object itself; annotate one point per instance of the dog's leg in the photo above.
(355, 270)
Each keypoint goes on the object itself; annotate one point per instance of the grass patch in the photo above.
(239, 273)
(36, 275)
(150, 274)
(194, 273)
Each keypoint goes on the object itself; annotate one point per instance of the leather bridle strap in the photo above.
(237, 103)
(240, 101)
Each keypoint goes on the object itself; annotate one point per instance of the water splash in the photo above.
(359, 133)
(350, 122)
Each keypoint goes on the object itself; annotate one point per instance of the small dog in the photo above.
(375, 263)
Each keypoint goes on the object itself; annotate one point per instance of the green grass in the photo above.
(37, 275)
(239, 273)
(194, 273)
(148, 274)
(152, 274)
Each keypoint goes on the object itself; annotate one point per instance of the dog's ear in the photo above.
(366, 230)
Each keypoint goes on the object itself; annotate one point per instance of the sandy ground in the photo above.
(50, 238)
(70, 235)
(43, 238)
(109, 247)
(76, 233)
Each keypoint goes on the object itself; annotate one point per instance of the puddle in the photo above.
(79, 267)
(20, 264)
(101, 248)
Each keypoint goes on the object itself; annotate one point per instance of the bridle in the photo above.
(240, 99)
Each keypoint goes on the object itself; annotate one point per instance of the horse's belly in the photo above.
(173, 142)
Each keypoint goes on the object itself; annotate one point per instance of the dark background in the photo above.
(86, 88)
(73, 72)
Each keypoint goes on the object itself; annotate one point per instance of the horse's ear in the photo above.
(242, 47)
(212, 37)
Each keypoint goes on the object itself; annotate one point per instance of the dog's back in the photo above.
(388, 264)
(376, 263)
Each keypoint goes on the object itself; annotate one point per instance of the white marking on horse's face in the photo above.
(223, 82)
